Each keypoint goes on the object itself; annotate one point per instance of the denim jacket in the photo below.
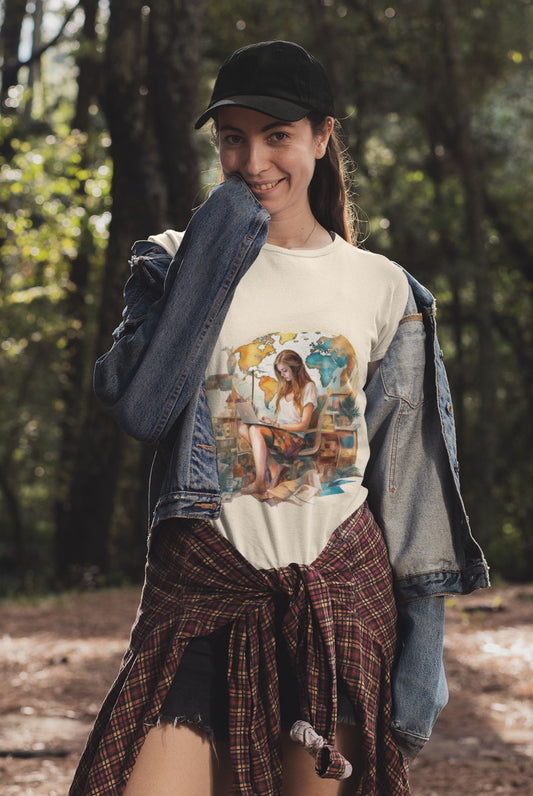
(414, 493)
(152, 381)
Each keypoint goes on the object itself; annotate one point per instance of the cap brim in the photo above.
(273, 106)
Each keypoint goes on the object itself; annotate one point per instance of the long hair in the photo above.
(300, 377)
(329, 191)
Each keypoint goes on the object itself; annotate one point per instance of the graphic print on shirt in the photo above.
(304, 382)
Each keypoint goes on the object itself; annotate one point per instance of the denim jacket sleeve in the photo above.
(395, 410)
(414, 494)
(174, 311)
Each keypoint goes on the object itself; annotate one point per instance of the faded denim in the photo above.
(414, 493)
(152, 381)
(413, 473)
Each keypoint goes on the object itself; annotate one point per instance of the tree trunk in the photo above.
(14, 13)
(89, 74)
(13, 508)
(34, 69)
(73, 382)
(151, 77)
(449, 264)
(172, 77)
(467, 161)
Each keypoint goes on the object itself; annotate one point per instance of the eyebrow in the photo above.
(264, 129)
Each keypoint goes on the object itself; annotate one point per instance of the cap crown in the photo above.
(277, 70)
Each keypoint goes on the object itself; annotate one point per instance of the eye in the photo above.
(232, 139)
(278, 137)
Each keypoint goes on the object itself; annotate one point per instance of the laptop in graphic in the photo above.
(247, 414)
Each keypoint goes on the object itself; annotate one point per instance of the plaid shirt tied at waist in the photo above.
(307, 628)
(336, 620)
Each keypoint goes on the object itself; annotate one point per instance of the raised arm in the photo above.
(161, 350)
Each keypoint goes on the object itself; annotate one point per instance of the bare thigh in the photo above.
(180, 761)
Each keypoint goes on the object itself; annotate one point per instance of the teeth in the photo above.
(265, 186)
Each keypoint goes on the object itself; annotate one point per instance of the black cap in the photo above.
(278, 78)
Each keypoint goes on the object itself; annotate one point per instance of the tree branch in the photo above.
(35, 56)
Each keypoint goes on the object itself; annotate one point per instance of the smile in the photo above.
(263, 186)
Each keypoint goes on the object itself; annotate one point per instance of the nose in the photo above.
(256, 158)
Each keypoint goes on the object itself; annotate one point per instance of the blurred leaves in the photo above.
(47, 199)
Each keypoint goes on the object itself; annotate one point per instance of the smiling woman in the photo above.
(264, 657)
(277, 161)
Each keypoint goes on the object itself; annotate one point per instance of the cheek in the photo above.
(304, 166)
(228, 161)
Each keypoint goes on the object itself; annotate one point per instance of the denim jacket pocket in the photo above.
(402, 370)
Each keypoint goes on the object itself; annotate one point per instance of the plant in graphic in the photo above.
(348, 408)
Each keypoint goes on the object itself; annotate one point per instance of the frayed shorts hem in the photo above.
(194, 722)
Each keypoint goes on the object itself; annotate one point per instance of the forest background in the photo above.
(98, 99)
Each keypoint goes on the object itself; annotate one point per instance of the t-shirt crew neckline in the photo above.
(271, 247)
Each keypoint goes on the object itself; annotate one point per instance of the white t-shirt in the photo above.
(338, 308)
(288, 410)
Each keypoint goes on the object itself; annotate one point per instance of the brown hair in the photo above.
(329, 191)
(300, 377)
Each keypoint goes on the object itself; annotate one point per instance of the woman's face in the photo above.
(285, 372)
(276, 159)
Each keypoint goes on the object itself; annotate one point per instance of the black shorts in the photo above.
(198, 695)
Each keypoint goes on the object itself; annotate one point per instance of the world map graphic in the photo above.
(327, 459)
(330, 361)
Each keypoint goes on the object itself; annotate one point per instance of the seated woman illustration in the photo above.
(296, 399)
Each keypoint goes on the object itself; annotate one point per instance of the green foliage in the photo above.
(49, 199)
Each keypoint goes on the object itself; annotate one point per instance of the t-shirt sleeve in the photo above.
(169, 240)
(391, 311)
(309, 396)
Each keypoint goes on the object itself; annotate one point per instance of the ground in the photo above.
(58, 656)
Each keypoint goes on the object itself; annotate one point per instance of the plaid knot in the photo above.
(329, 763)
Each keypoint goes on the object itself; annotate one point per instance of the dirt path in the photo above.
(58, 657)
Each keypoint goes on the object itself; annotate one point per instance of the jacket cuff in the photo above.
(409, 743)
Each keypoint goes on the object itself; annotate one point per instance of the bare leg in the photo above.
(257, 435)
(299, 778)
(259, 448)
(244, 432)
(273, 467)
(179, 761)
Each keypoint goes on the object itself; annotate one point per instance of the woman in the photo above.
(295, 402)
(266, 635)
